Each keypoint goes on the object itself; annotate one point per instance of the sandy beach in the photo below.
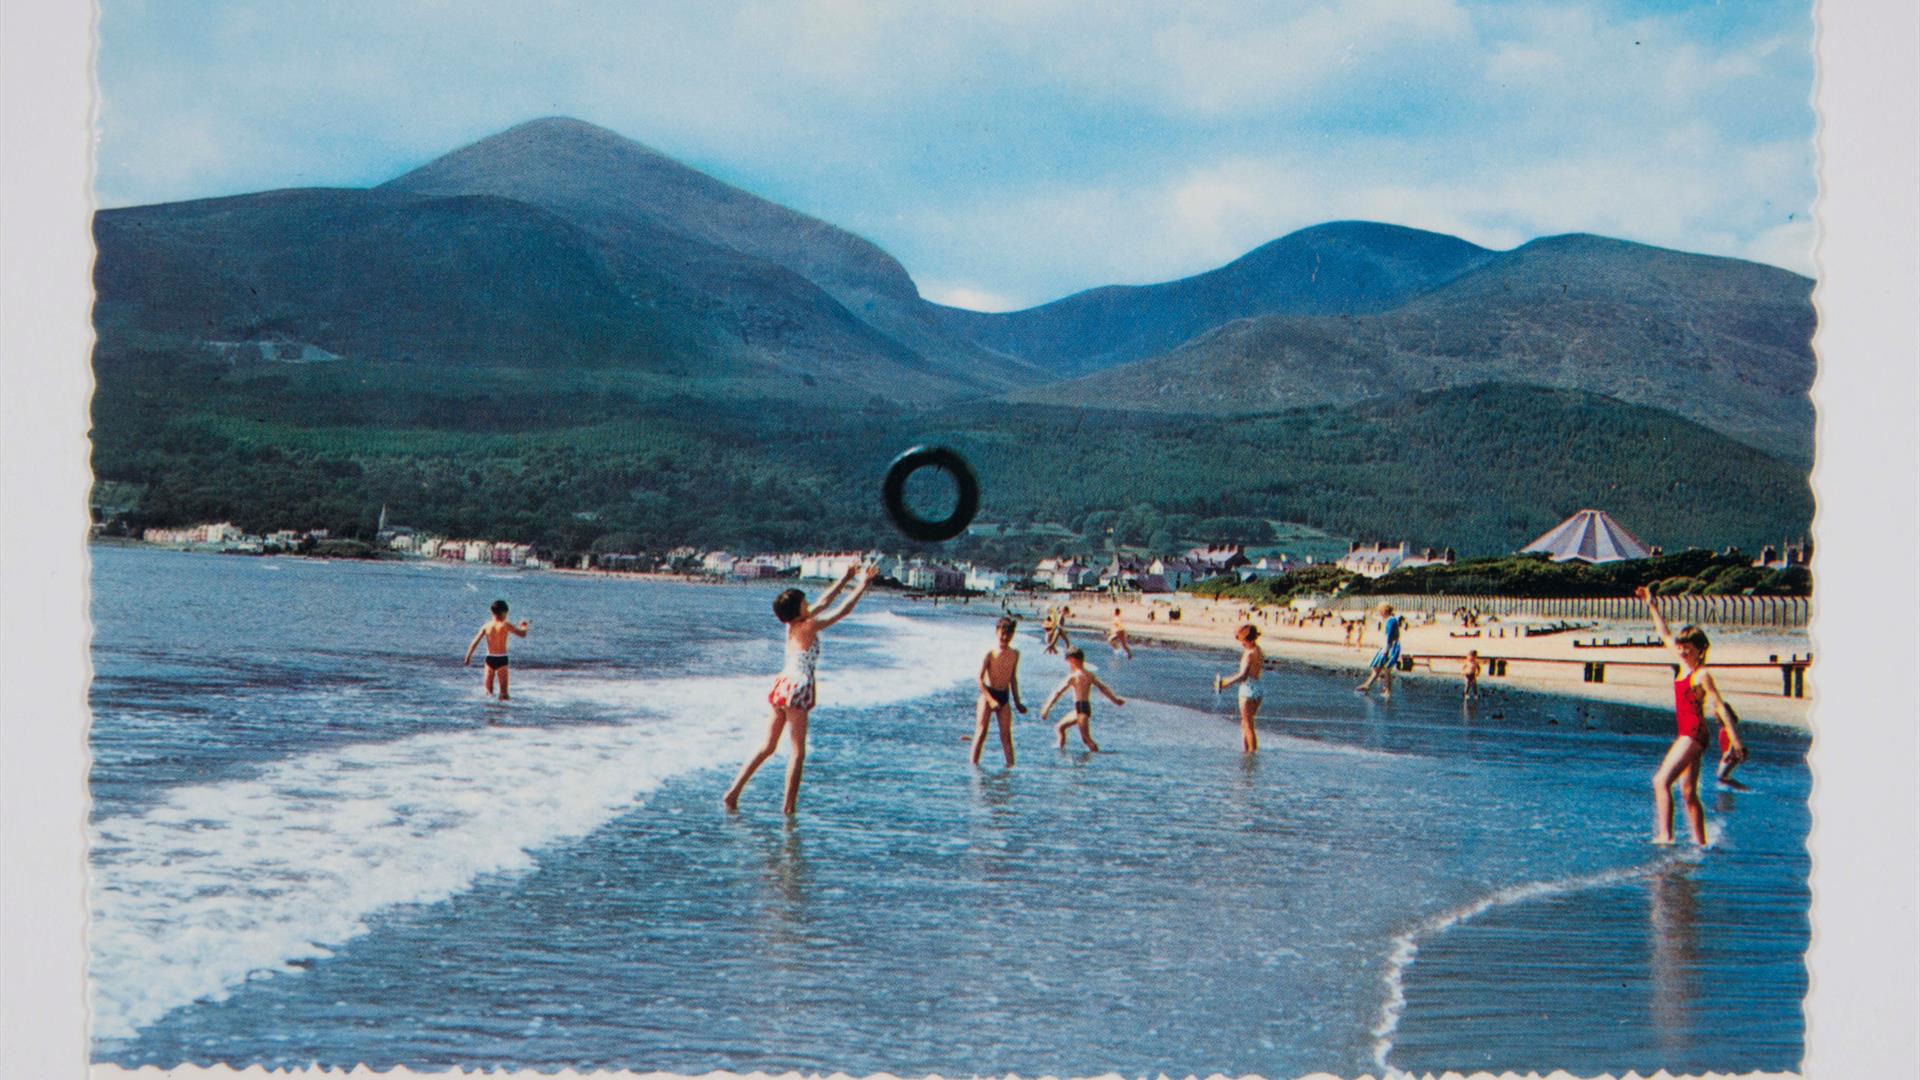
(1755, 692)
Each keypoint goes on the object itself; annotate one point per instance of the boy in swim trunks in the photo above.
(494, 632)
(792, 697)
(1470, 671)
(1117, 636)
(1083, 683)
(999, 692)
(1694, 696)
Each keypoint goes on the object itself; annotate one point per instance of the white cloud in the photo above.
(968, 296)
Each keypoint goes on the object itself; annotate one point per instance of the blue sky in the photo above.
(1011, 153)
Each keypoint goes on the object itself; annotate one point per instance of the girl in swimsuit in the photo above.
(1694, 694)
(1384, 661)
(792, 696)
(1253, 663)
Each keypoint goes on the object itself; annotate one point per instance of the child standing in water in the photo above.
(999, 691)
(1253, 663)
(1117, 636)
(1694, 694)
(1470, 672)
(1385, 660)
(792, 696)
(495, 633)
(1083, 683)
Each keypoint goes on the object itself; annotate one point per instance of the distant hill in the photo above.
(1483, 468)
(1720, 341)
(607, 182)
(560, 321)
(1340, 268)
(523, 270)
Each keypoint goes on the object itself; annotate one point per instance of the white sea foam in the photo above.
(224, 882)
(1406, 946)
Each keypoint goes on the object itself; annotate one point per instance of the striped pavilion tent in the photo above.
(1591, 537)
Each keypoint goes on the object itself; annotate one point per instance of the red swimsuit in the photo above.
(1686, 712)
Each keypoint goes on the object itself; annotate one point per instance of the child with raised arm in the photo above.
(999, 691)
(792, 696)
(1694, 694)
(1083, 683)
(1253, 664)
(495, 633)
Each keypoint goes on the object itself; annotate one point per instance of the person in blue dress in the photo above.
(1388, 657)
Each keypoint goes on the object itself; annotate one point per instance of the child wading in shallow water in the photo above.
(1083, 683)
(1694, 694)
(1117, 636)
(1253, 663)
(1385, 660)
(999, 691)
(792, 696)
(494, 632)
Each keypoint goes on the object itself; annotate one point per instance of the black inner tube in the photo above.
(893, 493)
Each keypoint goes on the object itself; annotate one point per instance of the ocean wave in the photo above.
(226, 882)
(1406, 945)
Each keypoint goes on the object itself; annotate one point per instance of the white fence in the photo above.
(1778, 611)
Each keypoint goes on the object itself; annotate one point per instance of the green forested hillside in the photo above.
(575, 464)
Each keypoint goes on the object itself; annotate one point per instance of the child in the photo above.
(1051, 628)
(1117, 636)
(1083, 683)
(1253, 663)
(792, 696)
(1694, 693)
(1470, 671)
(999, 692)
(494, 632)
(1388, 657)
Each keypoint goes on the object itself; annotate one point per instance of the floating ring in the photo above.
(893, 493)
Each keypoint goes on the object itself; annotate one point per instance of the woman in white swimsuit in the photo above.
(793, 694)
(1253, 663)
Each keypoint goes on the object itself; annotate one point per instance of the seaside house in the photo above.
(1377, 560)
(1176, 573)
(1270, 566)
(1589, 536)
(718, 562)
(933, 577)
(828, 566)
(982, 579)
(1216, 559)
(1785, 556)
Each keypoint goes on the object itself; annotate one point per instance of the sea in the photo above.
(313, 840)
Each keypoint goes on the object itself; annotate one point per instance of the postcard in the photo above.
(1028, 539)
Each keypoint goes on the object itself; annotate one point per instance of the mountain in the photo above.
(1340, 268)
(1720, 341)
(605, 181)
(526, 271)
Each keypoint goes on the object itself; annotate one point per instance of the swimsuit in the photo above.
(999, 696)
(1084, 708)
(1250, 689)
(496, 660)
(794, 688)
(1686, 713)
(1389, 653)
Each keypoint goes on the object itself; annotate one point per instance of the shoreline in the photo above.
(1547, 664)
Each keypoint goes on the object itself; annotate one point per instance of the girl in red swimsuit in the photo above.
(1694, 694)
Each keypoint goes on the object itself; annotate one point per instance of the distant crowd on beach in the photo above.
(1701, 713)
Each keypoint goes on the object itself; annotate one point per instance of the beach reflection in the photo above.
(1673, 960)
